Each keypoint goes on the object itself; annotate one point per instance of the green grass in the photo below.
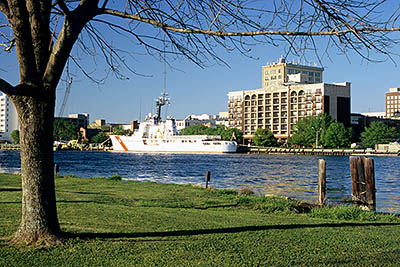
(126, 223)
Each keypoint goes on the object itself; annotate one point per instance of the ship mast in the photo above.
(161, 101)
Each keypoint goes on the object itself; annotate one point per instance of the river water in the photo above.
(286, 175)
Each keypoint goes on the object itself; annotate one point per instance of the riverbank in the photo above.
(317, 151)
(127, 223)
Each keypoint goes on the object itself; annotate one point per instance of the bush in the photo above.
(115, 177)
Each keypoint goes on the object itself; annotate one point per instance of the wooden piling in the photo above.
(208, 175)
(369, 173)
(363, 182)
(321, 182)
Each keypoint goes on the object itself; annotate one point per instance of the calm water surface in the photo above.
(286, 175)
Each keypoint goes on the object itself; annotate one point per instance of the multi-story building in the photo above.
(392, 103)
(8, 118)
(277, 74)
(295, 94)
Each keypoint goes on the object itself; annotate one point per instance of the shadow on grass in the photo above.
(80, 192)
(222, 230)
(77, 201)
(10, 189)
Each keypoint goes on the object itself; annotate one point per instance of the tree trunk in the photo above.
(39, 222)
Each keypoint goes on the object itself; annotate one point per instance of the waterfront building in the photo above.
(392, 103)
(380, 115)
(8, 118)
(293, 95)
(204, 119)
(277, 74)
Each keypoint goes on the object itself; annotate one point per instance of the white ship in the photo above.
(155, 135)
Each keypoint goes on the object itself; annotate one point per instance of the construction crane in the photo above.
(64, 102)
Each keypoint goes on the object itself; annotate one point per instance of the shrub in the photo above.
(115, 177)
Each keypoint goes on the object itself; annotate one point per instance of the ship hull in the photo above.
(178, 144)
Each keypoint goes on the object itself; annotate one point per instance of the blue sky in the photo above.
(194, 90)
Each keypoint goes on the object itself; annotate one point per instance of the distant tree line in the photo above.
(66, 131)
(323, 131)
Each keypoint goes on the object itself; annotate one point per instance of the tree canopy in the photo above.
(264, 137)
(378, 133)
(65, 130)
(15, 136)
(99, 138)
(118, 130)
(337, 136)
(310, 131)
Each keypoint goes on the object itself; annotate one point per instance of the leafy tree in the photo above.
(99, 138)
(15, 137)
(337, 136)
(197, 129)
(310, 131)
(264, 137)
(65, 130)
(43, 34)
(378, 133)
(118, 130)
(228, 134)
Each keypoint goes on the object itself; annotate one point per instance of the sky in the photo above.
(195, 90)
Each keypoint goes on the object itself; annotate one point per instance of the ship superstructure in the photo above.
(155, 135)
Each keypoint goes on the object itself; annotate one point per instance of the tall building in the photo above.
(8, 118)
(392, 103)
(277, 74)
(293, 95)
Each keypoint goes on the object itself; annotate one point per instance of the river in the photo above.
(287, 175)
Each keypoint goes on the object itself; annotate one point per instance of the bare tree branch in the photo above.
(165, 26)
(63, 6)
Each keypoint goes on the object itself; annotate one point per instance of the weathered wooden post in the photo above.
(208, 174)
(321, 182)
(363, 182)
(369, 173)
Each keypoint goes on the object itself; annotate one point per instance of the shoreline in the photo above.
(317, 151)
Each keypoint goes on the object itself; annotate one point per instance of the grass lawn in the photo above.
(127, 223)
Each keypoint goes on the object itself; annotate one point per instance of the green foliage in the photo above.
(99, 138)
(65, 130)
(15, 137)
(198, 129)
(115, 177)
(308, 129)
(378, 133)
(118, 130)
(337, 136)
(225, 133)
(264, 137)
(322, 129)
(228, 134)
